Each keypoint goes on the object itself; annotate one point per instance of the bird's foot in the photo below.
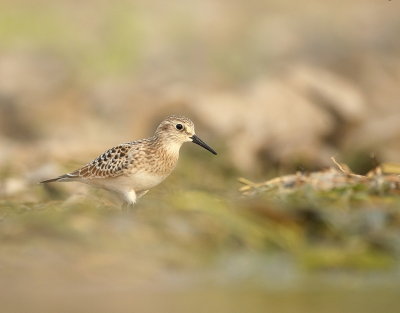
(126, 206)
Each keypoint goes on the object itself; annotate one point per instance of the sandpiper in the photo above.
(131, 169)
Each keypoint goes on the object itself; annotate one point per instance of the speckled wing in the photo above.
(112, 163)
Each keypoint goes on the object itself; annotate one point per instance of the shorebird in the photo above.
(131, 169)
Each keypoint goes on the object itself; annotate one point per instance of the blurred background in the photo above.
(274, 86)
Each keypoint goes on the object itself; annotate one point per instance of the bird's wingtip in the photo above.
(61, 178)
(49, 180)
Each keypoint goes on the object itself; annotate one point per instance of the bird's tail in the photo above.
(62, 178)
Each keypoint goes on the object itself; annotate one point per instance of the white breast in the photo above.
(145, 180)
(139, 181)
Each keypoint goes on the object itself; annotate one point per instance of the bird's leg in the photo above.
(127, 206)
(141, 193)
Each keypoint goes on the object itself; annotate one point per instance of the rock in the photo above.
(282, 119)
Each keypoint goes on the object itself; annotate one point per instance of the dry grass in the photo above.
(275, 86)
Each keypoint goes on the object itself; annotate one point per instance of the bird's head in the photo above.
(176, 130)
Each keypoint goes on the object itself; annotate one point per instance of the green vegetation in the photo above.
(275, 86)
(354, 226)
(185, 227)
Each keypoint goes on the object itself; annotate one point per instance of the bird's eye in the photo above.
(179, 126)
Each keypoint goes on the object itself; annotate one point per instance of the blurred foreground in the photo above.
(324, 242)
(275, 86)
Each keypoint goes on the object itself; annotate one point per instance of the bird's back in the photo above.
(146, 157)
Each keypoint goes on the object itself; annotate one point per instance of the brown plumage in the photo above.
(132, 168)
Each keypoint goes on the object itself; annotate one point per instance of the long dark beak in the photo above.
(200, 142)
